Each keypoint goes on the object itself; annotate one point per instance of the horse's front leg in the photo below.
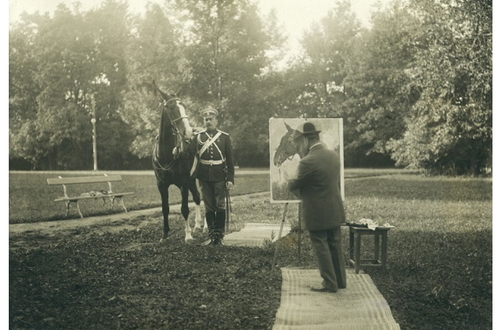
(185, 212)
(165, 210)
(197, 200)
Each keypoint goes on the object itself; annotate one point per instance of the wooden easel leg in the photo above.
(300, 229)
(279, 237)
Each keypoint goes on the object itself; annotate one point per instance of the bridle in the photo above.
(181, 113)
(289, 141)
(175, 130)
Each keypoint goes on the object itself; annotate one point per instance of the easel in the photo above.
(281, 230)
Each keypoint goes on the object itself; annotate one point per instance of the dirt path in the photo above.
(114, 222)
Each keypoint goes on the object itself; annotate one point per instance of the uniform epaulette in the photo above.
(223, 132)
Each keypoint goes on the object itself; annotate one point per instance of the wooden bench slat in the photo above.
(87, 179)
(61, 199)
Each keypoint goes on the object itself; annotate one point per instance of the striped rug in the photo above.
(359, 306)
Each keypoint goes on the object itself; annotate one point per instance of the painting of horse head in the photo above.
(288, 146)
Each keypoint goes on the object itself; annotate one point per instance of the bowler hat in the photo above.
(309, 129)
(209, 112)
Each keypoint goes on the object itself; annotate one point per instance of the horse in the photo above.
(288, 147)
(172, 162)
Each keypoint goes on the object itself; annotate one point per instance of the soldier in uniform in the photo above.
(215, 172)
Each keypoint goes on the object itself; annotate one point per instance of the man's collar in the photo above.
(314, 145)
(212, 132)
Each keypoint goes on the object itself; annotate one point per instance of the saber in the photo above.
(228, 209)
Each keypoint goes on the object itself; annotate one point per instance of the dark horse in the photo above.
(288, 147)
(172, 161)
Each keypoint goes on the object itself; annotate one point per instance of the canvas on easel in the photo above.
(285, 160)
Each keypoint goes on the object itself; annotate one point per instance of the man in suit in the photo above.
(215, 172)
(318, 187)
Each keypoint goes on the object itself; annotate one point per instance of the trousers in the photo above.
(327, 246)
(214, 194)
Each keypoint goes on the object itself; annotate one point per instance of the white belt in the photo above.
(211, 162)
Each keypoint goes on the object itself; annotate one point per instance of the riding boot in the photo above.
(210, 216)
(220, 221)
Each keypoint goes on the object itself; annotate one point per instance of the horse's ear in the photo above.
(288, 127)
(163, 94)
(178, 93)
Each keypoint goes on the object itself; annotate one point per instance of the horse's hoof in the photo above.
(196, 228)
(188, 239)
(205, 230)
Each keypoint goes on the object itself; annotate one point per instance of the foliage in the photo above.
(376, 104)
(152, 56)
(449, 129)
(70, 65)
(414, 89)
(328, 47)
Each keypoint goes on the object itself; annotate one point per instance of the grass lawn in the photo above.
(31, 199)
(439, 273)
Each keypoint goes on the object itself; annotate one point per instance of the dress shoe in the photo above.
(322, 289)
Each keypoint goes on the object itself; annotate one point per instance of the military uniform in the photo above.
(215, 158)
(215, 167)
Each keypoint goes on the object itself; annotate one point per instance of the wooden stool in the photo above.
(355, 234)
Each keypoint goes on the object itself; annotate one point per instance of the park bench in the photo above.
(89, 195)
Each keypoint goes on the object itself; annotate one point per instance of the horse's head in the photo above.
(175, 111)
(287, 147)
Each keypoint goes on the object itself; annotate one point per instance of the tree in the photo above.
(328, 46)
(377, 101)
(23, 90)
(450, 127)
(75, 63)
(152, 55)
(225, 44)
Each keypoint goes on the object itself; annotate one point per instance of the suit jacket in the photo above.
(215, 173)
(319, 184)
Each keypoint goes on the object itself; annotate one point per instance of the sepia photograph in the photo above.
(249, 164)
